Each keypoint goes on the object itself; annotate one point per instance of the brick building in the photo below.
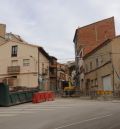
(87, 38)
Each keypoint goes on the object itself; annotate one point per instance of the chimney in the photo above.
(2, 30)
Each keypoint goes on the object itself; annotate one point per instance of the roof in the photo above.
(53, 57)
(90, 25)
(41, 49)
(22, 41)
(15, 36)
(25, 43)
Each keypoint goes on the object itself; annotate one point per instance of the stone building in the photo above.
(89, 37)
(102, 67)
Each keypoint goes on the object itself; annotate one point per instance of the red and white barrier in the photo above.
(43, 96)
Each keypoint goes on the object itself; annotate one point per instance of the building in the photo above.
(53, 73)
(89, 37)
(102, 67)
(62, 74)
(43, 69)
(23, 64)
(71, 71)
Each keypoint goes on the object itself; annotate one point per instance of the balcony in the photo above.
(53, 74)
(53, 65)
(44, 71)
(13, 69)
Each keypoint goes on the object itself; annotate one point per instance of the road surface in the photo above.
(62, 114)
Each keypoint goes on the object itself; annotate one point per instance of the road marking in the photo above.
(83, 121)
(26, 109)
(13, 111)
(47, 109)
(6, 115)
(39, 106)
(18, 112)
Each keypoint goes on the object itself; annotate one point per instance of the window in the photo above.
(86, 68)
(26, 62)
(96, 82)
(91, 82)
(97, 62)
(90, 65)
(14, 51)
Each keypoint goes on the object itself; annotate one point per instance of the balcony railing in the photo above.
(53, 74)
(53, 66)
(44, 71)
(13, 69)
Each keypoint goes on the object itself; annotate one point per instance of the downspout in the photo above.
(112, 69)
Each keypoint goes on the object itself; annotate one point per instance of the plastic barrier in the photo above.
(43, 96)
(102, 92)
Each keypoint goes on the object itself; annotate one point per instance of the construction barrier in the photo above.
(39, 97)
(102, 92)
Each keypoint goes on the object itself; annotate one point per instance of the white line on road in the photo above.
(7, 115)
(18, 112)
(83, 121)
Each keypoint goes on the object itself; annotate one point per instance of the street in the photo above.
(64, 113)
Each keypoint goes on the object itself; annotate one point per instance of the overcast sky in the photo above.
(52, 23)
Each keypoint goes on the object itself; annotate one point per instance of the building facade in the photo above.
(102, 67)
(89, 37)
(71, 71)
(53, 73)
(62, 74)
(24, 65)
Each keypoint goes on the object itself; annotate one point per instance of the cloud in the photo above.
(52, 23)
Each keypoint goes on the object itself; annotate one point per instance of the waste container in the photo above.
(12, 98)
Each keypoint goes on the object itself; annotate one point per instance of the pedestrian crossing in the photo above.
(30, 108)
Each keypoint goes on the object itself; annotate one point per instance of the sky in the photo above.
(52, 23)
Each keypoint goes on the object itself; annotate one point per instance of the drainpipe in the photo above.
(112, 69)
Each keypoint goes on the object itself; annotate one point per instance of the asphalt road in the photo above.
(62, 114)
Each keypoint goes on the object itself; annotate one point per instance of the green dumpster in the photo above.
(12, 98)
